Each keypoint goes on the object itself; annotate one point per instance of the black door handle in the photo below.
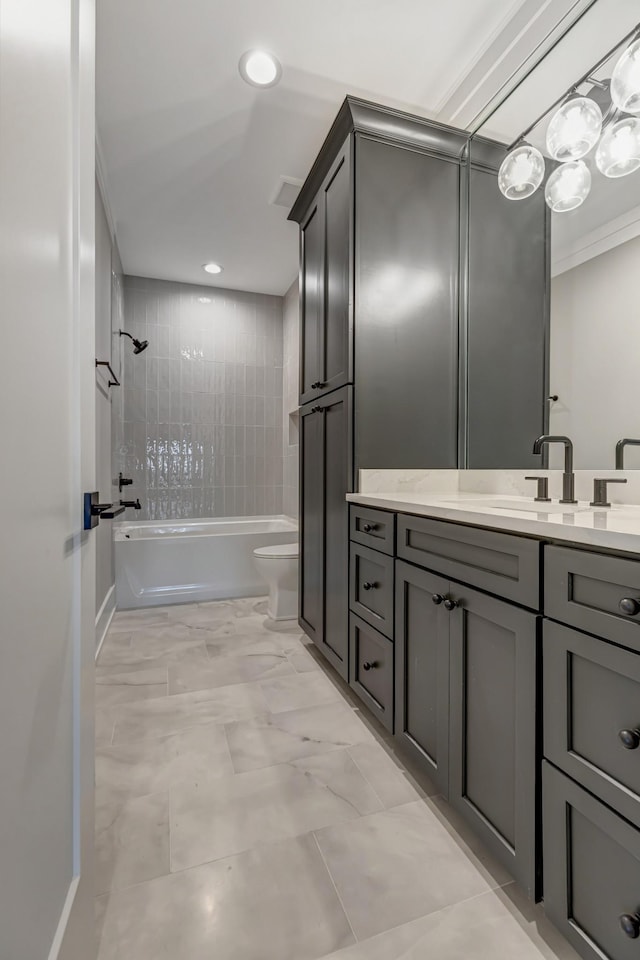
(367, 585)
(437, 599)
(630, 606)
(630, 739)
(450, 604)
(368, 527)
(369, 665)
(630, 923)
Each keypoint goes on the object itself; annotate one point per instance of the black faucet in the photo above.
(132, 503)
(620, 445)
(568, 479)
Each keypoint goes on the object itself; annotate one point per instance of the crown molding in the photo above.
(624, 228)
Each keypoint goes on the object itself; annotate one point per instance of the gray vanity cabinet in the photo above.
(326, 474)
(422, 671)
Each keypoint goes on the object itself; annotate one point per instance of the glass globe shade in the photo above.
(521, 173)
(625, 80)
(574, 129)
(568, 186)
(618, 152)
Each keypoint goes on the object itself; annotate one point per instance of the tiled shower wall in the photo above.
(202, 415)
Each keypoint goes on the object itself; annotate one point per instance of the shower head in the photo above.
(138, 345)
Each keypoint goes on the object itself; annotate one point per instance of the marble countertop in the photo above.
(616, 527)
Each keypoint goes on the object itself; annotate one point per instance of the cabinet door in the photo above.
(406, 274)
(311, 521)
(492, 775)
(311, 300)
(422, 670)
(337, 479)
(337, 326)
(507, 326)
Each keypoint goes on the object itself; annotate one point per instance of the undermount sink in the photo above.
(526, 506)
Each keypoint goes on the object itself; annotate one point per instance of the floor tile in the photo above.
(303, 661)
(396, 866)
(297, 691)
(229, 815)
(389, 781)
(278, 738)
(157, 718)
(132, 841)
(195, 755)
(105, 721)
(137, 620)
(235, 644)
(228, 670)
(488, 927)
(276, 902)
(117, 688)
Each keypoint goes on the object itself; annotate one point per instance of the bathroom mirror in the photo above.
(578, 141)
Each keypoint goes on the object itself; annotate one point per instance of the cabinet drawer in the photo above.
(591, 870)
(371, 669)
(373, 528)
(496, 562)
(586, 590)
(371, 588)
(591, 696)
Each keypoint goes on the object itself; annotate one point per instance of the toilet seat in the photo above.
(279, 551)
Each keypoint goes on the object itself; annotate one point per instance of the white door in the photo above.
(47, 459)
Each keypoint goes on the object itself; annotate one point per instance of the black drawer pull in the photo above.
(437, 599)
(630, 606)
(630, 923)
(450, 604)
(369, 586)
(369, 665)
(630, 739)
(368, 527)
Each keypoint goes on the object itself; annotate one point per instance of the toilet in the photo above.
(278, 565)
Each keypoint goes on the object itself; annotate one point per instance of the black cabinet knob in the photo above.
(368, 527)
(450, 604)
(630, 923)
(369, 665)
(630, 606)
(630, 739)
(316, 409)
(367, 585)
(437, 599)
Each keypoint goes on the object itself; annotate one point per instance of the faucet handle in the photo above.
(600, 490)
(542, 494)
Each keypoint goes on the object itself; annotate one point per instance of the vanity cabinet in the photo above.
(326, 472)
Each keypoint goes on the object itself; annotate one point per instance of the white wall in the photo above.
(290, 424)
(595, 353)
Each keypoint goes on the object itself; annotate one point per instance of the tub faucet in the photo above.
(620, 445)
(568, 478)
(132, 503)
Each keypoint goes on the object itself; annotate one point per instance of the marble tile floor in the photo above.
(247, 808)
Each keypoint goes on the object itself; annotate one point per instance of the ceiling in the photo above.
(191, 156)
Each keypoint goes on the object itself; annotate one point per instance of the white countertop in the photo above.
(616, 527)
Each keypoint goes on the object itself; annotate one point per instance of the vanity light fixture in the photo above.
(625, 80)
(568, 186)
(521, 172)
(212, 267)
(259, 68)
(618, 152)
(574, 129)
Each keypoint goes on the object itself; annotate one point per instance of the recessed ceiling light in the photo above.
(212, 267)
(204, 299)
(259, 68)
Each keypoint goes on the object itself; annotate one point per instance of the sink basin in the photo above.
(522, 506)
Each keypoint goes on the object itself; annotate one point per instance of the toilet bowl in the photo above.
(278, 565)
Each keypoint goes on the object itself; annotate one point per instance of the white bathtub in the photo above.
(192, 560)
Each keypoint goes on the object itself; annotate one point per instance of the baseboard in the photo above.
(104, 617)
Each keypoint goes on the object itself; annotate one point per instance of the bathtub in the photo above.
(192, 560)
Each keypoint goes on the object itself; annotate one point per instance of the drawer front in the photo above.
(591, 710)
(373, 528)
(371, 589)
(591, 870)
(496, 562)
(586, 590)
(371, 669)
